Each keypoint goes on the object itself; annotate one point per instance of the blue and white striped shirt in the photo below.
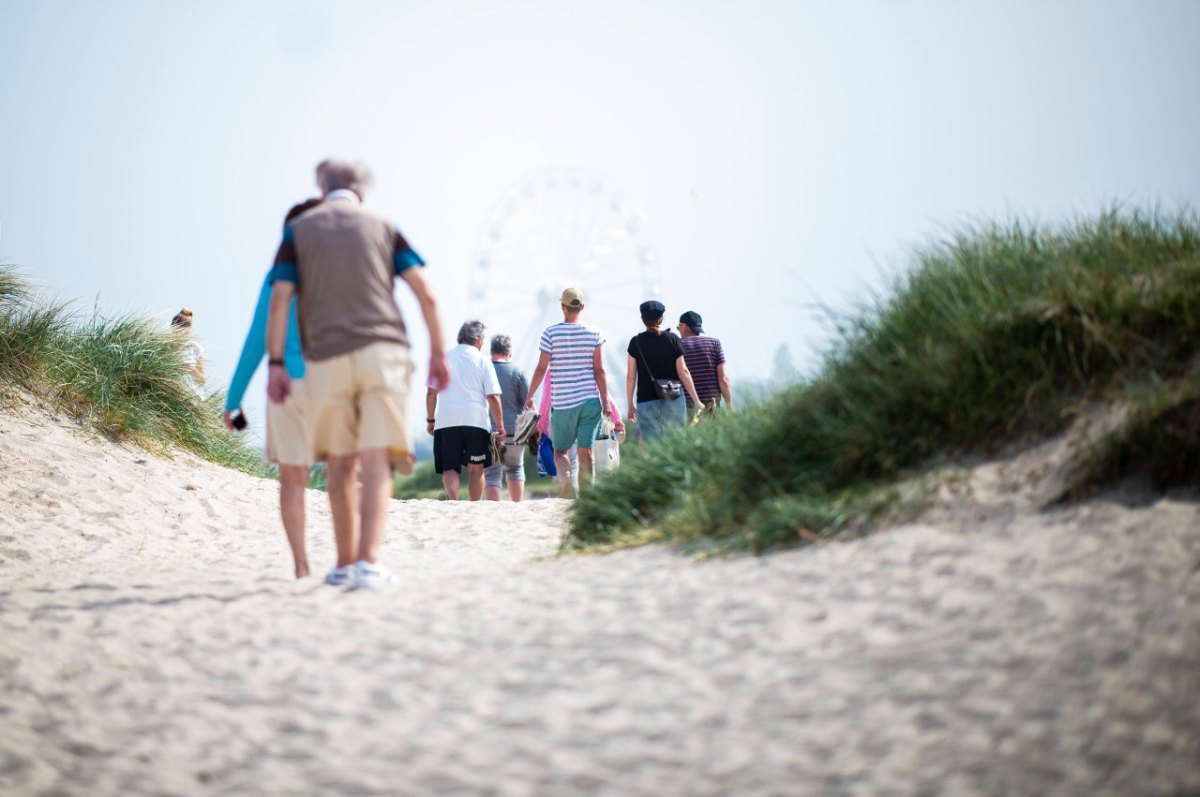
(571, 348)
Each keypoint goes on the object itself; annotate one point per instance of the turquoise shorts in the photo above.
(575, 425)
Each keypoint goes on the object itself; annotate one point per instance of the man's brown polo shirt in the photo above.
(344, 261)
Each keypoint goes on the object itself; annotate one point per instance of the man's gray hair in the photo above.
(471, 332)
(502, 345)
(334, 174)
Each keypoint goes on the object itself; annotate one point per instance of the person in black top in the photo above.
(655, 354)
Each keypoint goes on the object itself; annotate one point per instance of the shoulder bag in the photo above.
(667, 389)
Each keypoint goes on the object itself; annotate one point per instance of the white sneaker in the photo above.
(340, 576)
(372, 576)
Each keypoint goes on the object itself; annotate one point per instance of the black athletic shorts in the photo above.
(455, 447)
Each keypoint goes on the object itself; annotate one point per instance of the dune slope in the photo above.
(151, 642)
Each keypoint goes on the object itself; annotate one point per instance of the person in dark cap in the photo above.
(706, 360)
(656, 357)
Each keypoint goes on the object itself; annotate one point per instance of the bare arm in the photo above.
(685, 376)
(439, 374)
(630, 384)
(497, 413)
(726, 388)
(279, 383)
(616, 412)
(430, 408)
(601, 380)
(539, 374)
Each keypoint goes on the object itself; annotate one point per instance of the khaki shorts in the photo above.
(287, 435)
(359, 402)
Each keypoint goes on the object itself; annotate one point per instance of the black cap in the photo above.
(652, 309)
(693, 320)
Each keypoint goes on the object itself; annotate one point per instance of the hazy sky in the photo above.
(777, 152)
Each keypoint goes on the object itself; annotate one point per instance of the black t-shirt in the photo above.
(662, 352)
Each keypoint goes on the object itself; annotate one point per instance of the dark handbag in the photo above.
(666, 389)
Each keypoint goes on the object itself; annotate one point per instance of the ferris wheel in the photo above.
(556, 228)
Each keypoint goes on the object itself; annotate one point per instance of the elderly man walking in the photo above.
(341, 262)
(514, 390)
(570, 351)
(458, 418)
(705, 360)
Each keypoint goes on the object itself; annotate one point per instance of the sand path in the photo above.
(151, 644)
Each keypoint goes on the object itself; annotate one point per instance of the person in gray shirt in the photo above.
(514, 387)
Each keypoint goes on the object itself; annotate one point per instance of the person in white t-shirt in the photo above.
(458, 416)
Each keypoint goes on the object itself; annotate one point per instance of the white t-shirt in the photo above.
(472, 380)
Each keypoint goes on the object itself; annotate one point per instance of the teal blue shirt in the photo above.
(255, 348)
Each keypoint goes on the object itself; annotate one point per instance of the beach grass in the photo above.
(124, 377)
(998, 332)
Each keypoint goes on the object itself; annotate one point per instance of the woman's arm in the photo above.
(253, 349)
(630, 383)
(543, 407)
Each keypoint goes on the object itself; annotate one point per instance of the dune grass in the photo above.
(998, 332)
(124, 377)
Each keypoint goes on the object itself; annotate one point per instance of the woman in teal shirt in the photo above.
(287, 442)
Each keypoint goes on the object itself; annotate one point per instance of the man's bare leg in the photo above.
(562, 461)
(475, 482)
(376, 492)
(341, 483)
(452, 482)
(293, 480)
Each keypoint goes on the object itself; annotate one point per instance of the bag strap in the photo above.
(638, 343)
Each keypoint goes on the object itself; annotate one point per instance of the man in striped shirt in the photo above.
(706, 361)
(571, 352)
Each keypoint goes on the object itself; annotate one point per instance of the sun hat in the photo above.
(573, 298)
(693, 320)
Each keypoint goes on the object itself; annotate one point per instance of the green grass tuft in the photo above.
(124, 377)
(999, 331)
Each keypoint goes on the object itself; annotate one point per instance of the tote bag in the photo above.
(606, 451)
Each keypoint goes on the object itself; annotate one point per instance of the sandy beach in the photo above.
(152, 642)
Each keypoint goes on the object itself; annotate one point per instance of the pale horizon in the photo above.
(785, 155)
